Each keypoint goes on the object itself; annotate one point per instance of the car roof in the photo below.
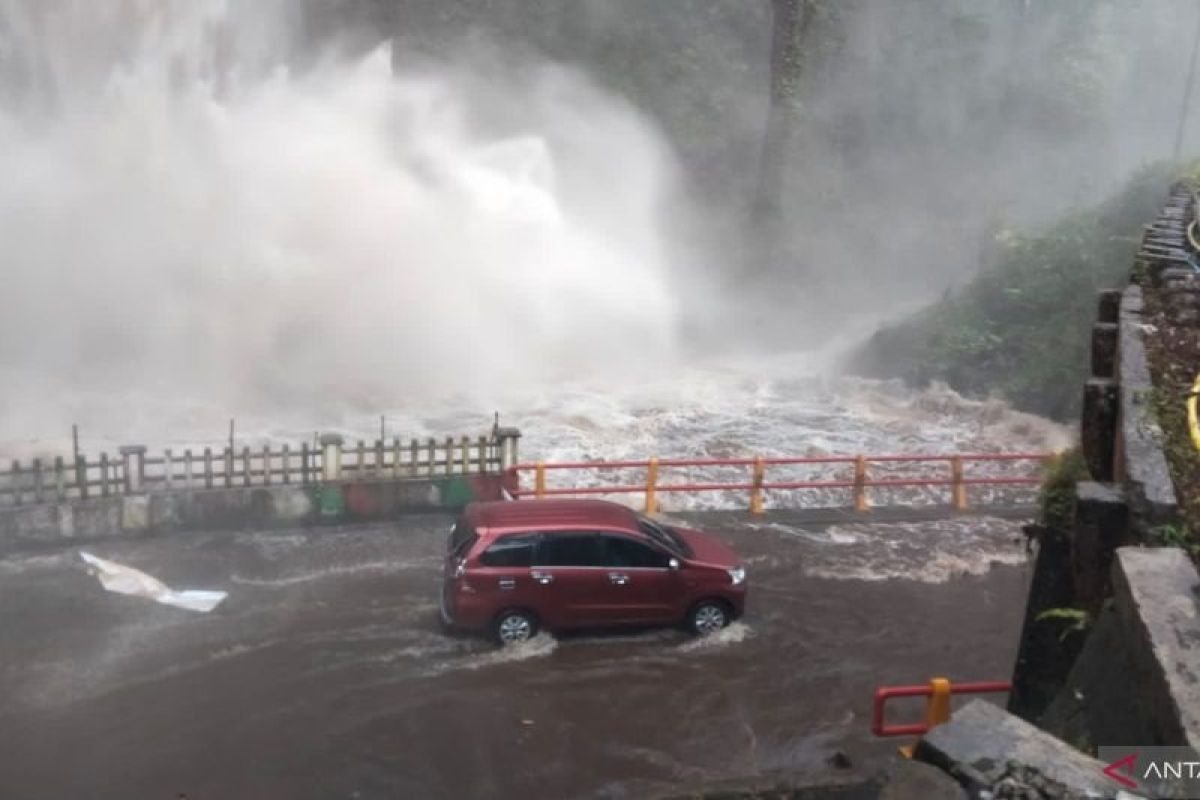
(504, 515)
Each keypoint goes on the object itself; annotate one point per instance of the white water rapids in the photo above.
(196, 229)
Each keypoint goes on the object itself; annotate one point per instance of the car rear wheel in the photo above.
(514, 627)
(708, 617)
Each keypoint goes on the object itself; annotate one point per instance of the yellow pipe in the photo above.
(756, 494)
(652, 486)
(937, 711)
(539, 484)
(959, 489)
(1193, 424)
(861, 503)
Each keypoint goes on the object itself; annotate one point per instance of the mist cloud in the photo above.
(183, 208)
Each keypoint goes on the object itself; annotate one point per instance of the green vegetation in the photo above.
(1021, 328)
(1079, 620)
(1057, 498)
(1170, 411)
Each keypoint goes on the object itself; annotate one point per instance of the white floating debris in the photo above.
(127, 580)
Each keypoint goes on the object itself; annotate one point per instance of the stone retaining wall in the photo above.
(1132, 678)
(242, 508)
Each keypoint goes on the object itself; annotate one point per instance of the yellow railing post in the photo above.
(937, 710)
(861, 503)
(756, 494)
(652, 486)
(539, 481)
(959, 489)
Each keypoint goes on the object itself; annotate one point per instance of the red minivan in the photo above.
(515, 566)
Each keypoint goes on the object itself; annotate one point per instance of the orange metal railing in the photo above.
(857, 477)
(937, 709)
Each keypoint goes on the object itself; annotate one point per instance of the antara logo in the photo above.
(1124, 765)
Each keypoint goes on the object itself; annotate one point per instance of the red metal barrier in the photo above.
(937, 710)
(756, 484)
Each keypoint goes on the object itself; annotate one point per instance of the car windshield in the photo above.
(664, 535)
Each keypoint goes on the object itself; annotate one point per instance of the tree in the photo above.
(791, 21)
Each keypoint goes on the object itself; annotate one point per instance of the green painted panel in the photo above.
(457, 491)
(329, 501)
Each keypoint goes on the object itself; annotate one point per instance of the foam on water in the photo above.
(538, 647)
(733, 634)
(336, 571)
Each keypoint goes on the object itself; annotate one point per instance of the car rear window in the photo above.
(515, 550)
(462, 536)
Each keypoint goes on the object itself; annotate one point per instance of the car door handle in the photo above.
(618, 578)
(543, 577)
(508, 583)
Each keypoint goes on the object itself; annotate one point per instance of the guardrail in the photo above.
(857, 478)
(937, 709)
(326, 459)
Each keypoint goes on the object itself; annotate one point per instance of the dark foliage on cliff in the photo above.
(1020, 329)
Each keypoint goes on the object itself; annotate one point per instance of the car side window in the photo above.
(569, 549)
(620, 551)
(514, 550)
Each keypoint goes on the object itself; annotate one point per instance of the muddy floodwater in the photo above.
(325, 673)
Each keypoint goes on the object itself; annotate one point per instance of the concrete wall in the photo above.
(1131, 678)
(239, 508)
(1137, 681)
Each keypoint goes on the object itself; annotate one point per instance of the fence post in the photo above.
(81, 476)
(413, 457)
(449, 455)
(38, 483)
(508, 439)
(246, 465)
(104, 474)
(359, 466)
(432, 457)
(266, 465)
(395, 456)
(652, 486)
(331, 457)
(959, 489)
(304, 463)
(60, 484)
(756, 494)
(228, 467)
(287, 464)
(133, 459)
(539, 480)
(168, 469)
(483, 449)
(861, 502)
(937, 711)
(187, 468)
(466, 454)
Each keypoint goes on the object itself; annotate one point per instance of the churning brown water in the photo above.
(325, 674)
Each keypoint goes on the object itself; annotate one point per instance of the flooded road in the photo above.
(325, 673)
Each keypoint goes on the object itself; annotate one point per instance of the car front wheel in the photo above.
(514, 627)
(708, 617)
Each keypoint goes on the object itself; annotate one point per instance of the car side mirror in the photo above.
(674, 564)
